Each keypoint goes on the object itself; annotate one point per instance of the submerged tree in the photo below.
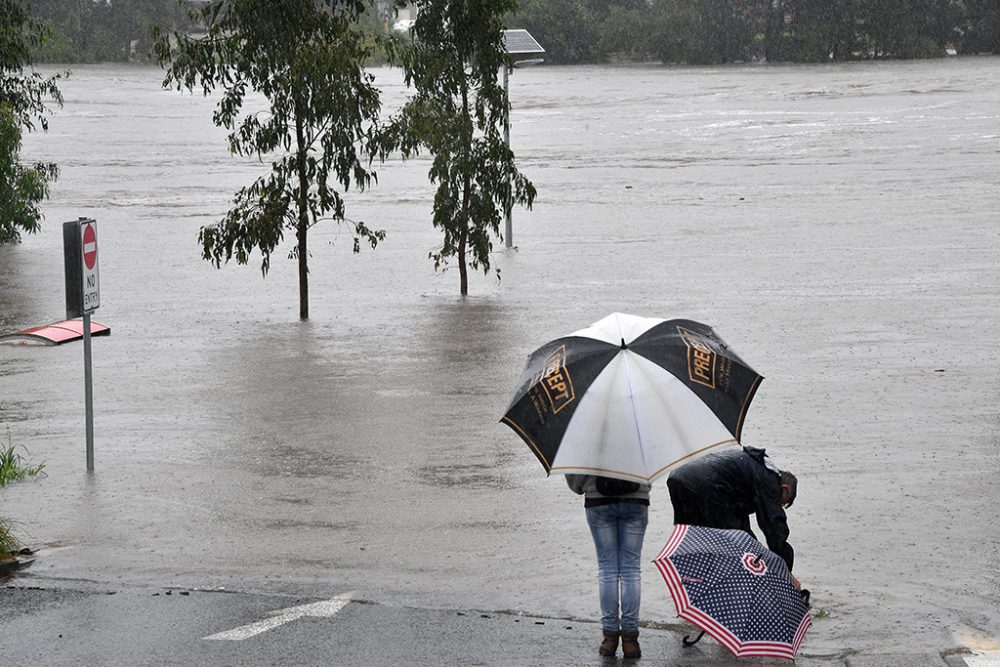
(457, 113)
(22, 187)
(306, 58)
(23, 98)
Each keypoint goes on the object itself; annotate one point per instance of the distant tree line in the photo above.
(596, 31)
(87, 31)
(727, 31)
(102, 30)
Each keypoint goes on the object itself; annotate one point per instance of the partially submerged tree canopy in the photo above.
(23, 98)
(306, 58)
(457, 113)
(22, 188)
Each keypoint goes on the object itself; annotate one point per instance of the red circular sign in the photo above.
(89, 247)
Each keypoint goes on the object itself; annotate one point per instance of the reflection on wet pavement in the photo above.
(467, 476)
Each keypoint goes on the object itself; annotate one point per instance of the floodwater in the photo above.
(837, 224)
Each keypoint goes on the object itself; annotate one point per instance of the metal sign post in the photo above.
(88, 379)
(83, 296)
(518, 43)
(508, 231)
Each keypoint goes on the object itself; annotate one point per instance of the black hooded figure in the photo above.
(722, 490)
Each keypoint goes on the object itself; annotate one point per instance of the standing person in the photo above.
(722, 490)
(617, 513)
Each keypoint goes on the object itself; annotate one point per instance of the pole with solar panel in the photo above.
(520, 45)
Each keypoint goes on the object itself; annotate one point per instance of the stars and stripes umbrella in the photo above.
(735, 589)
(630, 397)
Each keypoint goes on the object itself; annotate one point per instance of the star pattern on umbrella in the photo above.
(749, 613)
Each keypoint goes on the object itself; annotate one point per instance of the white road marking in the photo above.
(989, 659)
(321, 609)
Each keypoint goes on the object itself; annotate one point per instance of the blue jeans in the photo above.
(618, 531)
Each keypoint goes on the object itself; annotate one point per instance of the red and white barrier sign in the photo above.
(91, 279)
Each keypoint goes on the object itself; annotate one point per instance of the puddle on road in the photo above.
(283, 524)
(466, 476)
(302, 462)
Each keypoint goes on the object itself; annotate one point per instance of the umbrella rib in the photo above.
(635, 411)
(631, 392)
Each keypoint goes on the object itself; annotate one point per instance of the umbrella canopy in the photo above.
(736, 590)
(630, 397)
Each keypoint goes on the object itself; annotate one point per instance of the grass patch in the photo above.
(8, 545)
(13, 467)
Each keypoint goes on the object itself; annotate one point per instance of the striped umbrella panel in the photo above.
(735, 589)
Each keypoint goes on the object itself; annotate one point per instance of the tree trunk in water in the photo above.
(303, 226)
(463, 235)
(463, 272)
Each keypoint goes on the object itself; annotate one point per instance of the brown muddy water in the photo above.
(837, 224)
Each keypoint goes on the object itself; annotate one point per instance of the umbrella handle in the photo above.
(691, 642)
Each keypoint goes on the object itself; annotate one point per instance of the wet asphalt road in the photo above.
(92, 624)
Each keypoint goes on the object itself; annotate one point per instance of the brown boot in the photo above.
(630, 645)
(609, 646)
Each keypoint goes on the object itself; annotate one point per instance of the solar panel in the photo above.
(520, 42)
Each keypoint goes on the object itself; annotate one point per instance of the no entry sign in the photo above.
(83, 284)
(91, 279)
(90, 245)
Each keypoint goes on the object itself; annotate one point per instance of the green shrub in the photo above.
(13, 467)
(8, 545)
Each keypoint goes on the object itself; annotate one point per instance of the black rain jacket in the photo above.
(722, 490)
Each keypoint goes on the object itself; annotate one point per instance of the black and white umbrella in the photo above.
(631, 397)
